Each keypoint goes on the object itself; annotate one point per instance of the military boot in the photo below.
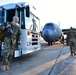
(3, 67)
(74, 53)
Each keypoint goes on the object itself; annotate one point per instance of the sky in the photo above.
(56, 11)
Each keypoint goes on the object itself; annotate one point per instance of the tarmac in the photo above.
(64, 64)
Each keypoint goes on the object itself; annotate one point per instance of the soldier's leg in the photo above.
(5, 59)
(71, 50)
(11, 55)
(6, 54)
(73, 47)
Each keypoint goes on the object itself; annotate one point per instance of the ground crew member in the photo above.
(62, 38)
(10, 42)
(72, 40)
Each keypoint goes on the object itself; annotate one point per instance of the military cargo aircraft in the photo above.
(51, 33)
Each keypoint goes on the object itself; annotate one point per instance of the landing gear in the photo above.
(50, 43)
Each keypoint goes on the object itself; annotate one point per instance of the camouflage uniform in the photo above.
(10, 44)
(72, 40)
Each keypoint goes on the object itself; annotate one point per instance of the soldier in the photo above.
(71, 40)
(13, 30)
(62, 38)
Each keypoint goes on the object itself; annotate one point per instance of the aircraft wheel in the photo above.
(49, 43)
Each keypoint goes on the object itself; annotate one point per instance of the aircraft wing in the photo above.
(65, 31)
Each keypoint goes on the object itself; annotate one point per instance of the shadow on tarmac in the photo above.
(18, 65)
(62, 65)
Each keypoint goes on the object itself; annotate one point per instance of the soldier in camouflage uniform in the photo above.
(71, 36)
(10, 43)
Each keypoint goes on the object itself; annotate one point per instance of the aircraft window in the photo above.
(49, 26)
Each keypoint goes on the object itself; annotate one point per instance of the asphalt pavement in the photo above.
(50, 60)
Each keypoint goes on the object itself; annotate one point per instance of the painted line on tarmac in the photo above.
(43, 67)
